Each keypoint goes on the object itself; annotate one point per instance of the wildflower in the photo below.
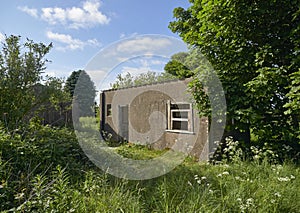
(189, 183)
(292, 177)
(225, 173)
(277, 194)
(203, 178)
(283, 179)
(249, 201)
(256, 157)
(19, 196)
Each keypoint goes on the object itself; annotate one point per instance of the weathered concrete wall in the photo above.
(148, 117)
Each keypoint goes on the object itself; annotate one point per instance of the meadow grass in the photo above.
(68, 182)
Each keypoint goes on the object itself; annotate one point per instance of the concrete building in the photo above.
(160, 115)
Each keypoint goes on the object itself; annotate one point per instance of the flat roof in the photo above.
(144, 85)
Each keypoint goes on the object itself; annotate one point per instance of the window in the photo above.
(180, 117)
(108, 110)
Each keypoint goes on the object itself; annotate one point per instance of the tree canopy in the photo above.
(21, 66)
(149, 77)
(82, 90)
(176, 66)
(254, 48)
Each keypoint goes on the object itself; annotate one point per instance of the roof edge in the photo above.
(144, 85)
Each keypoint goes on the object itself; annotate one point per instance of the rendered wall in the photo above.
(148, 113)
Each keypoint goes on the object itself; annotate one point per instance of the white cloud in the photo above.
(76, 17)
(59, 72)
(159, 62)
(88, 15)
(134, 71)
(148, 61)
(54, 15)
(70, 42)
(30, 11)
(138, 67)
(143, 44)
(124, 35)
(2, 37)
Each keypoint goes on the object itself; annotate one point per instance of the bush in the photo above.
(36, 150)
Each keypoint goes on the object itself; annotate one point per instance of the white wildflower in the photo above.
(277, 194)
(225, 173)
(283, 179)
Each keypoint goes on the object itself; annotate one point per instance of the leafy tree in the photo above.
(71, 82)
(81, 88)
(21, 66)
(252, 46)
(142, 79)
(123, 81)
(55, 103)
(293, 106)
(176, 66)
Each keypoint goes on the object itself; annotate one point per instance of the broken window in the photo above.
(180, 117)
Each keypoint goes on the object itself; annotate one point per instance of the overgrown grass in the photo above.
(43, 170)
(138, 152)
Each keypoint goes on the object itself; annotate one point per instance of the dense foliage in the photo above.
(82, 90)
(33, 151)
(24, 92)
(43, 169)
(142, 79)
(21, 66)
(177, 65)
(254, 48)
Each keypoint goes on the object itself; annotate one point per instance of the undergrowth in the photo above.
(42, 169)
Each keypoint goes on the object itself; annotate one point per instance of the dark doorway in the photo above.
(123, 122)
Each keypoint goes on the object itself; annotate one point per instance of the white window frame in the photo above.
(171, 119)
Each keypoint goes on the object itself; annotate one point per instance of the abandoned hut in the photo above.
(159, 115)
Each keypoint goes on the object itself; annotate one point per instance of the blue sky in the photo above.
(80, 29)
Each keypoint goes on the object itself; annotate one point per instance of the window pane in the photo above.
(180, 125)
(180, 114)
(180, 106)
(108, 110)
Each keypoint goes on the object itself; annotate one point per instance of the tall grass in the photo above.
(44, 170)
